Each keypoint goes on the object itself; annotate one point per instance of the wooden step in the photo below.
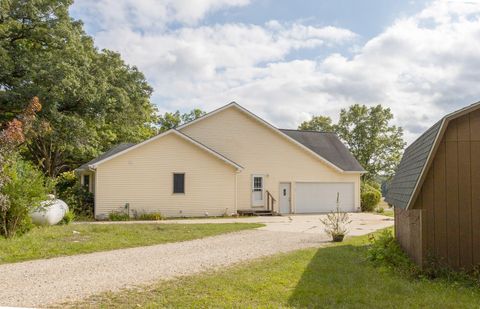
(253, 212)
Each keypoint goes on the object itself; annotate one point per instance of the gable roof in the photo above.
(411, 171)
(283, 134)
(117, 151)
(327, 145)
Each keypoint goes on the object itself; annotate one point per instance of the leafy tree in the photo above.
(366, 131)
(192, 115)
(169, 121)
(377, 145)
(318, 123)
(22, 186)
(92, 99)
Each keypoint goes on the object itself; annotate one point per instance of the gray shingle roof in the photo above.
(328, 146)
(410, 168)
(111, 152)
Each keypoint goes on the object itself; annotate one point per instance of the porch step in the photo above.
(252, 212)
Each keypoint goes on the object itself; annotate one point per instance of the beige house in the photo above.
(225, 162)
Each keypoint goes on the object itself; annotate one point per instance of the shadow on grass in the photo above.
(333, 277)
(341, 276)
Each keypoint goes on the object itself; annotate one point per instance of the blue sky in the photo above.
(288, 60)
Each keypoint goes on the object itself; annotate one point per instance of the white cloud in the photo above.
(145, 15)
(421, 66)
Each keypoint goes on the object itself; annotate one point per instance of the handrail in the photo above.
(270, 201)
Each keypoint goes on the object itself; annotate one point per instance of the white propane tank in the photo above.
(50, 212)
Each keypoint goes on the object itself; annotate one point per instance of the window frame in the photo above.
(87, 185)
(174, 174)
(261, 189)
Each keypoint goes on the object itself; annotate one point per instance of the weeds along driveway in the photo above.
(42, 283)
(362, 223)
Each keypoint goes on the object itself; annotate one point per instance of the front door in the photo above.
(258, 191)
(284, 201)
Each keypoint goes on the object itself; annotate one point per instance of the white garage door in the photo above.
(312, 197)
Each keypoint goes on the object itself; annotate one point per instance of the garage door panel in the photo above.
(315, 197)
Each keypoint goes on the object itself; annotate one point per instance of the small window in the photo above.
(86, 181)
(178, 183)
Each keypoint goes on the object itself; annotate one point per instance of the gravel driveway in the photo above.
(46, 282)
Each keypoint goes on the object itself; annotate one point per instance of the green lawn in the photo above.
(332, 277)
(388, 212)
(48, 242)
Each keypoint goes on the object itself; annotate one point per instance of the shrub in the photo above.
(118, 216)
(68, 218)
(26, 188)
(154, 216)
(77, 197)
(370, 197)
(385, 251)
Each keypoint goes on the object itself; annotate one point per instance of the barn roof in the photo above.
(416, 159)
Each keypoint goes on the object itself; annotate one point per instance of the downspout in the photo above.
(94, 170)
(235, 202)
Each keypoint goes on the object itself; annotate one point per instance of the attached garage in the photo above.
(318, 197)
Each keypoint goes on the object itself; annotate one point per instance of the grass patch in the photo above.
(52, 241)
(338, 276)
(388, 213)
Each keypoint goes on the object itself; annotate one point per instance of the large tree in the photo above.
(368, 134)
(318, 123)
(169, 121)
(91, 99)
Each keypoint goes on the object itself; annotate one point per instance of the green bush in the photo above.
(154, 216)
(77, 197)
(384, 250)
(26, 189)
(118, 216)
(68, 218)
(370, 197)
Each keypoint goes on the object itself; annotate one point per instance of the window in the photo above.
(86, 181)
(178, 183)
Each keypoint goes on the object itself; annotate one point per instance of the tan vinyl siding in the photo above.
(261, 150)
(143, 177)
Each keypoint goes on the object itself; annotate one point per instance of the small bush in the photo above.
(385, 250)
(68, 218)
(118, 216)
(77, 197)
(380, 210)
(153, 216)
(370, 197)
(26, 188)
